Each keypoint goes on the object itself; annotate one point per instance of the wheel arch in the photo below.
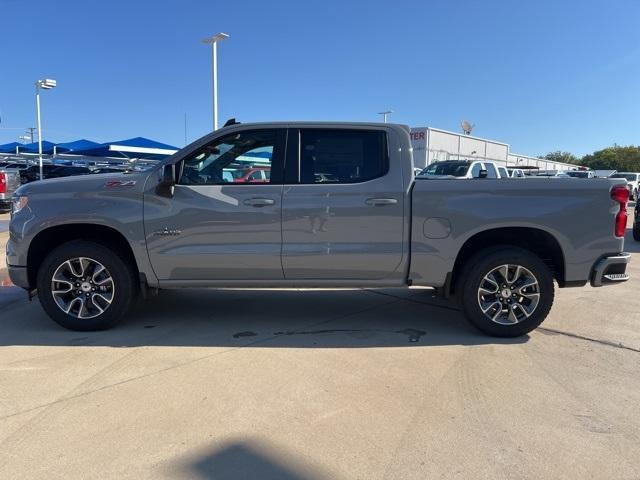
(54, 236)
(537, 241)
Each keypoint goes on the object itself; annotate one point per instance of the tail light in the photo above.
(620, 194)
(3, 183)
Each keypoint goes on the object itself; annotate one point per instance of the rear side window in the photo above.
(342, 156)
(491, 170)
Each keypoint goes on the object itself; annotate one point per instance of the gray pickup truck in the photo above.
(312, 205)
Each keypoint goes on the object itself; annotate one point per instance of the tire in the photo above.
(484, 270)
(636, 231)
(112, 290)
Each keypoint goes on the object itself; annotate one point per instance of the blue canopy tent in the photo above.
(78, 145)
(47, 147)
(137, 147)
(10, 147)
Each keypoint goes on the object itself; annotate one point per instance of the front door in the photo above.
(343, 213)
(223, 221)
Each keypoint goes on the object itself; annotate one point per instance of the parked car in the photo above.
(552, 174)
(68, 171)
(633, 182)
(12, 166)
(496, 249)
(461, 169)
(32, 173)
(100, 170)
(252, 175)
(581, 173)
(9, 183)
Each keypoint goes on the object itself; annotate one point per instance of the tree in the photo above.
(562, 157)
(623, 159)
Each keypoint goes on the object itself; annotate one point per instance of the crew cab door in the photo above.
(342, 207)
(217, 225)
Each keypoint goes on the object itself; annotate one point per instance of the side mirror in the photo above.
(167, 181)
(483, 173)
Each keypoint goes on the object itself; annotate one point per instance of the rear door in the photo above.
(343, 206)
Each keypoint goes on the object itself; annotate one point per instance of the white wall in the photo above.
(432, 145)
(541, 163)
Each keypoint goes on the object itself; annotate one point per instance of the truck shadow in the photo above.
(246, 458)
(264, 318)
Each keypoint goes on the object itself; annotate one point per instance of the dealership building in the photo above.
(433, 145)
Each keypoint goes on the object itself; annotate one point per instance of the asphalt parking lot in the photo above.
(292, 384)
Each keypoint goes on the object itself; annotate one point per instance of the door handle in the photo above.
(259, 202)
(381, 202)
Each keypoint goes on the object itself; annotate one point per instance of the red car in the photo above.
(252, 175)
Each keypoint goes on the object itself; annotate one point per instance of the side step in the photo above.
(616, 277)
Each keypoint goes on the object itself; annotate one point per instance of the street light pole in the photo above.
(46, 84)
(214, 59)
(384, 114)
(39, 126)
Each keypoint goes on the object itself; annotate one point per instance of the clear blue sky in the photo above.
(541, 75)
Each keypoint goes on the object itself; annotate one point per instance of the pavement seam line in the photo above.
(599, 341)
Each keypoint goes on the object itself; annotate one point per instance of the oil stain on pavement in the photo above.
(412, 334)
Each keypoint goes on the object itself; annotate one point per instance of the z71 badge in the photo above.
(118, 183)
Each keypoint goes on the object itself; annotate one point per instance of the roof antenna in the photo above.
(231, 121)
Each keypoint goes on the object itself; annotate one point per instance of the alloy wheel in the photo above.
(82, 287)
(508, 294)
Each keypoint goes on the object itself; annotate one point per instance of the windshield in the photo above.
(627, 176)
(455, 169)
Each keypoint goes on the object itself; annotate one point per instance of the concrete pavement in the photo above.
(291, 384)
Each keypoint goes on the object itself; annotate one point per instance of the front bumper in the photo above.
(611, 269)
(18, 276)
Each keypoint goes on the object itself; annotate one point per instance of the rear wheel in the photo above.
(86, 286)
(506, 291)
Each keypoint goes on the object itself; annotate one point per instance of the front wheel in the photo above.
(86, 286)
(506, 291)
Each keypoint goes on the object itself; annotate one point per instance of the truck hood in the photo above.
(86, 183)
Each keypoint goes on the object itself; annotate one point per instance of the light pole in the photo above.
(384, 114)
(214, 56)
(30, 131)
(46, 84)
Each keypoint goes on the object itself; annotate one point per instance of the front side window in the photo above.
(342, 156)
(243, 157)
